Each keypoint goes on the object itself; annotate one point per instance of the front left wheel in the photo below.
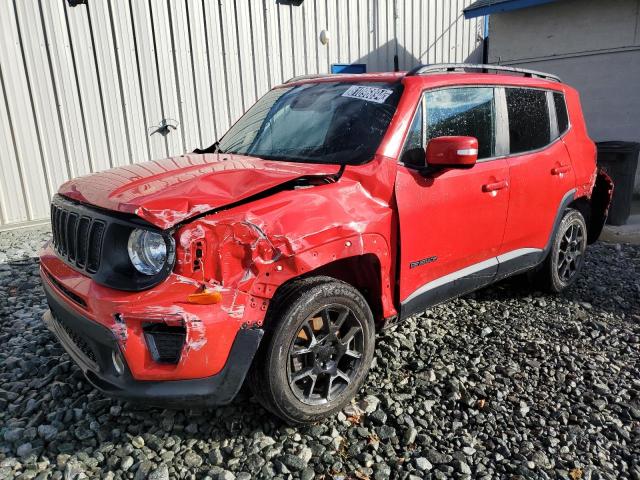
(317, 350)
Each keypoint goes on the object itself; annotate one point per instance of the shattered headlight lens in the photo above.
(147, 251)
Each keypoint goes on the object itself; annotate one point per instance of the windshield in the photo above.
(330, 122)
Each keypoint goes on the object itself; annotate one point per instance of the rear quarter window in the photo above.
(561, 112)
(529, 125)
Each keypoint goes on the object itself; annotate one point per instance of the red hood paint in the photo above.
(166, 192)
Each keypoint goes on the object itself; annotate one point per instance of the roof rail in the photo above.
(484, 68)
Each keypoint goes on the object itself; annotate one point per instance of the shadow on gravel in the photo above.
(504, 382)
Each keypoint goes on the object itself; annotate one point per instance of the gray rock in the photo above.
(386, 432)
(438, 458)
(307, 474)
(305, 454)
(435, 373)
(192, 459)
(47, 432)
(126, 463)
(422, 464)
(541, 460)
(215, 456)
(378, 417)
(409, 436)
(382, 471)
(137, 442)
(24, 450)
(13, 434)
(462, 467)
(294, 462)
(160, 473)
(486, 331)
(143, 470)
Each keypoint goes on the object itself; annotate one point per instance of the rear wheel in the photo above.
(566, 258)
(317, 351)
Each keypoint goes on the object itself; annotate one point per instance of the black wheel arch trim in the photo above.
(567, 199)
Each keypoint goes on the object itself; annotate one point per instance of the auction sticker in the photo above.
(370, 94)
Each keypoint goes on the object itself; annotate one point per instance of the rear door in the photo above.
(540, 172)
(452, 221)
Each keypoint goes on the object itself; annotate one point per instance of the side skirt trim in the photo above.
(469, 278)
(451, 277)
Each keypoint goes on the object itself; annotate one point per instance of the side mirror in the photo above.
(452, 152)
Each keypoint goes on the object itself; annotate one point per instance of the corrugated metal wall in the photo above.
(90, 87)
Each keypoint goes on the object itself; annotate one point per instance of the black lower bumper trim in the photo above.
(82, 337)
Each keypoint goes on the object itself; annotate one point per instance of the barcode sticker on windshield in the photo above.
(370, 94)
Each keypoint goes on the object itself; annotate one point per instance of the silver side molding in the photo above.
(470, 270)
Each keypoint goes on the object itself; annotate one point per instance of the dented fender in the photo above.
(248, 252)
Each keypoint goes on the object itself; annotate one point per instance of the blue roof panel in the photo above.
(487, 7)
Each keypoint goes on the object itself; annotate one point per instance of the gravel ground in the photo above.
(503, 383)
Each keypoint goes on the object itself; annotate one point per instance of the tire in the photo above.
(330, 364)
(565, 260)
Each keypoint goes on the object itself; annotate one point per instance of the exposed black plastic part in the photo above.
(564, 204)
(164, 341)
(600, 203)
(218, 389)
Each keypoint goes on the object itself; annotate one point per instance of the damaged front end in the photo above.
(191, 333)
(106, 359)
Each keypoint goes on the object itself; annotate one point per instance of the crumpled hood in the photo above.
(166, 192)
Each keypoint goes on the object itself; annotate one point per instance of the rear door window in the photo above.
(561, 112)
(529, 125)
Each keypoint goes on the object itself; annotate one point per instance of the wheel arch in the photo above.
(363, 272)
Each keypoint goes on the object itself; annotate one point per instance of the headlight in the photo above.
(147, 251)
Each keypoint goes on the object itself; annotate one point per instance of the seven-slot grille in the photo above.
(77, 238)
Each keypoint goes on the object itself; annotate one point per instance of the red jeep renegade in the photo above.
(335, 205)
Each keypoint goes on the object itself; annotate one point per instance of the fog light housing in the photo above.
(165, 342)
(118, 364)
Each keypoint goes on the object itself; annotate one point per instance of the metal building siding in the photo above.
(86, 88)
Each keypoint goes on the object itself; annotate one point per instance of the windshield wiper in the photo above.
(213, 148)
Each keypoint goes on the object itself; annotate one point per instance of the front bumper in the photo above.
(93, 347)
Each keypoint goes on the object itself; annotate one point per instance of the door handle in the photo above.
(495, 186)
(560, 170)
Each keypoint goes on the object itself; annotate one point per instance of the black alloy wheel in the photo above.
(570, 252)
(318, 345)
(325, 354)
(565, 260)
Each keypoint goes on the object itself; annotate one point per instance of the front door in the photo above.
(452, 221)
